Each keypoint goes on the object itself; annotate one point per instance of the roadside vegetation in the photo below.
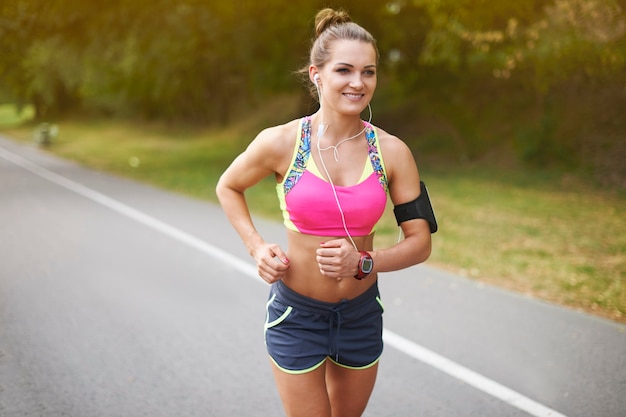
(543, 232)
(515, 112)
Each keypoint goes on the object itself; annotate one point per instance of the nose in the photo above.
(356, 81)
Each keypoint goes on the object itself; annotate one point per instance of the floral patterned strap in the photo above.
(302, 155)
(375, 158)
(304, 152)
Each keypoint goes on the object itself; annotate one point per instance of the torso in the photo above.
(303, 275)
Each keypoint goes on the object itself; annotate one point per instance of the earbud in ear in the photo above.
(316, 80)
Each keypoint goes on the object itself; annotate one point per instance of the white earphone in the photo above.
(316, 80)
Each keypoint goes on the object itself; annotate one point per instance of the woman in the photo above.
(324, 319)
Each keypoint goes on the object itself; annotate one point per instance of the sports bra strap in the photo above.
(303, 153)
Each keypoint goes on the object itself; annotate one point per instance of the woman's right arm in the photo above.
(262, 158)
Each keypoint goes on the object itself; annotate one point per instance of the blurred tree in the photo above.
(18, 28)
(465, 64)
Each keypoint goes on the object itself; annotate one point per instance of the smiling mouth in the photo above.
(353, 96)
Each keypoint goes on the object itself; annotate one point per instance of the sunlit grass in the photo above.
(555, 237)
(11, 116)
(188, 161)
(541, 233)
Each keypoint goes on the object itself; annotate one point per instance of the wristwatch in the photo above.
(366, 264)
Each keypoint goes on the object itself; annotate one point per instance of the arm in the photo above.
(337, 258)
(262, 158)
(404, 186)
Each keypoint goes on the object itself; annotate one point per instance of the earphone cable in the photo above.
(332, 186)
(335, 148)
(320, 132)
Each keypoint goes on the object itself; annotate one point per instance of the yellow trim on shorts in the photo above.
(314, 367)
(355, 368)
(380, 303)
(297, 371)
(280, 319)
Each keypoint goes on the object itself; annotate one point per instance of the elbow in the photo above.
(220, 190)
(421, 242)
(226, 194)
(428, 249)
(423, 250)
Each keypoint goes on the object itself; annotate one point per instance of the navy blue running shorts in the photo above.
(301, 333)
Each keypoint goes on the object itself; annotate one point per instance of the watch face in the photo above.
(367, 266)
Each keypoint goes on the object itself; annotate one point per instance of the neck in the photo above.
(336, 129)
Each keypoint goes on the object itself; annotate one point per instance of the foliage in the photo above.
(203, 61)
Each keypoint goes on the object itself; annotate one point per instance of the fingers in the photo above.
(279, 255)
(336, 259)
(335, 243)
(272, 263)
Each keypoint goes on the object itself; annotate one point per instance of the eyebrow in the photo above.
(352, 66)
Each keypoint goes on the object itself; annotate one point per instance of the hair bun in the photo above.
(329, 17)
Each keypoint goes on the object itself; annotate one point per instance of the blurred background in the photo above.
(514, 109)
(543, 81)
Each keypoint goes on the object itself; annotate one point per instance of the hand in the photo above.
(337, 259)
(272, 263)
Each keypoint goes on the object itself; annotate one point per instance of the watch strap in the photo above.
(365, 256)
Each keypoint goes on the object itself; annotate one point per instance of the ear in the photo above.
(313, 72)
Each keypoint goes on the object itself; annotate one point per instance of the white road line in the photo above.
(468, 376)
(406, 346)
(134, 214)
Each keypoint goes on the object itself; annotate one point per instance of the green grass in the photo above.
(10, 116)
(551, 236)
(546, 234)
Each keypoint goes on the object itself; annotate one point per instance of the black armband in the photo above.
(420, 208)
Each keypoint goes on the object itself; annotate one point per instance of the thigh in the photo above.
(349, 390)
(303, 395)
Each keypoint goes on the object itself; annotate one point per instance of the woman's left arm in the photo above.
(404, 186)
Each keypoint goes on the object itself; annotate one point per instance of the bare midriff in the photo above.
(304, 275)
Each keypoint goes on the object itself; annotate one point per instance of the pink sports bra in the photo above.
(307, 200)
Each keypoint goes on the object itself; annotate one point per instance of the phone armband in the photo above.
(420, 208)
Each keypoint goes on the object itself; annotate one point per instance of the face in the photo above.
(348, 79)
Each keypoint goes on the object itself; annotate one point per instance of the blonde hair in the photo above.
(330, 26)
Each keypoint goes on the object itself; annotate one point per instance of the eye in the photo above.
(370, 73)
(343, 70)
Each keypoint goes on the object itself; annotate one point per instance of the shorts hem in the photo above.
(297, 371)
(356, 368)
(314, 367)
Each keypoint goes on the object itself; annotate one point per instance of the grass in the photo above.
(10, 116)
(546, 234)
(550, 236)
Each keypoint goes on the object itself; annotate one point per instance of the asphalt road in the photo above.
(119, 299)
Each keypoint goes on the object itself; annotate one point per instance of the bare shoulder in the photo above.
(393, 148)
(400, 166)
(273, 147)
(277, 138)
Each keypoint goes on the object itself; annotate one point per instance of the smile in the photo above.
(353, 96)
